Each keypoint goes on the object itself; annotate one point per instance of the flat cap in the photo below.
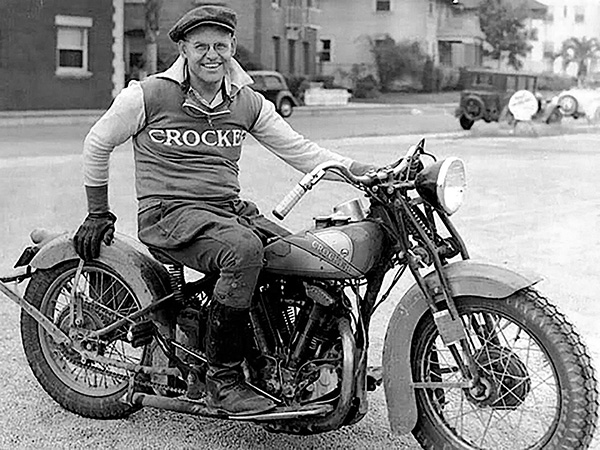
(204, 15)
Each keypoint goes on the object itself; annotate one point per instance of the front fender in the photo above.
(466, 278)
(147, 278)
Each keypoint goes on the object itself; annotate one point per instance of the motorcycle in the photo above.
(474, 356)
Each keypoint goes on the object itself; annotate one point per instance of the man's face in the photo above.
(208, 51)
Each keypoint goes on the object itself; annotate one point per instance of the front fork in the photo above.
(447, 320)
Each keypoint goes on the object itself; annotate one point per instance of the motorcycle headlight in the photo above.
(443, 184)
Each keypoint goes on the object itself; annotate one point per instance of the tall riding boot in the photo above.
(225, 386)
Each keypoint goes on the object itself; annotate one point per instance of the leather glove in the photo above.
(359, 168)
(95, 229)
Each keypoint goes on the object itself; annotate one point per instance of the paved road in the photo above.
(531, 203)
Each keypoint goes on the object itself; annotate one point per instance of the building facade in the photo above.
(59, 55)
(280, 34)
(447, 31)
(564, 19)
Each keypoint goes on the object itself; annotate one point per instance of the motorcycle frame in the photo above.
(63, 339)
(168, 345)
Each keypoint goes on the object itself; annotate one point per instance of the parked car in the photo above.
(273, 86)
(486, 94)
(579, 102)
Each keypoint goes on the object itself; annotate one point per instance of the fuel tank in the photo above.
(344, 251)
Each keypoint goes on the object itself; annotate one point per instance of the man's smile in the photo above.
(212, 65)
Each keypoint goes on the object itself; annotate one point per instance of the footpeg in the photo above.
(374, 377)
(141, 333)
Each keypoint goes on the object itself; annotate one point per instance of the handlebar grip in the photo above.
(289, 201)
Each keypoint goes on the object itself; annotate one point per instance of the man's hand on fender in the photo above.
(95, 229)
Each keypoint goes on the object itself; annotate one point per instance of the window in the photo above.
(325, 50)
(259, 82)
(548, 49)
(306, 56)
(383, 5)
(431, 7)
(445, 52)
(291, 55)
(277, 52)
(272, 83)
(534, 34)
(72, 45)
(579, 14)
(380, 43)
(565, 11)
(511, 83)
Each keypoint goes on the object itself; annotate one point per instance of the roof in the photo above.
(532, 5)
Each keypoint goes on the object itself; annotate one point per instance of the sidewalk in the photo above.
(78, 116)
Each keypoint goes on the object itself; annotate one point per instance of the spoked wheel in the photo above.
(537, 388)
(92, 389)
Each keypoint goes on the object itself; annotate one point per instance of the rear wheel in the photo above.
(286, 107)
(537, 391)
(473, 107)
(568, 105)
(88, 389)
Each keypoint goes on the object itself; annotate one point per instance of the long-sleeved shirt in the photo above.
(194, 156)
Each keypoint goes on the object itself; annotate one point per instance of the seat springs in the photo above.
(176, 280)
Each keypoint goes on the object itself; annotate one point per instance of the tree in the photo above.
(504, 27)
(247, 59)
(152, 19)
(580, 51)
(394, 60)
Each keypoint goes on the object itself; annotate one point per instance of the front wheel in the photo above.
(88, 389)
(537, 389)
(466, 123)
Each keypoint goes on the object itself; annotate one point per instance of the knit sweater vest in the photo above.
(182, 157)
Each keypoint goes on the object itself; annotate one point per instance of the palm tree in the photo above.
(580, 51)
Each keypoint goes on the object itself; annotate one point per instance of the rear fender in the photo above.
(466, 278)
(147, 278)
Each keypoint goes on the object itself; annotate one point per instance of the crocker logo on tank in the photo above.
(333, 257)
(192, 138)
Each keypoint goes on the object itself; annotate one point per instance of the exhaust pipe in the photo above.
(199, 408)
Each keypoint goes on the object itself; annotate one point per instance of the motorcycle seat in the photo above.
(163, 257)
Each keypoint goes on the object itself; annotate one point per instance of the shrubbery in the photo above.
(247, 59)
(555, 82)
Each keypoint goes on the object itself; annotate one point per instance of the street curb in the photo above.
(50, 117)
(382, 108)
(76, 116)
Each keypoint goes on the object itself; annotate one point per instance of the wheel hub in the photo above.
(504, 380)
(91, 321)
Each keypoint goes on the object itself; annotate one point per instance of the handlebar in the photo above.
(289, 201)
(368, 179)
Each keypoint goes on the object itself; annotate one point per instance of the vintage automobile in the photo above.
(486, 94)
(273, 86)
(579, 102)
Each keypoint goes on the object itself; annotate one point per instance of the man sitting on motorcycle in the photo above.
(187, 125)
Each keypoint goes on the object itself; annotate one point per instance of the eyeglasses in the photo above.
(220, 47)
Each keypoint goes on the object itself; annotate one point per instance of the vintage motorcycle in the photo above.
(474, 357)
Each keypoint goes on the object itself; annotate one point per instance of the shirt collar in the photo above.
(235, 78)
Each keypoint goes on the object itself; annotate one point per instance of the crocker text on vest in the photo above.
(192, 138)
